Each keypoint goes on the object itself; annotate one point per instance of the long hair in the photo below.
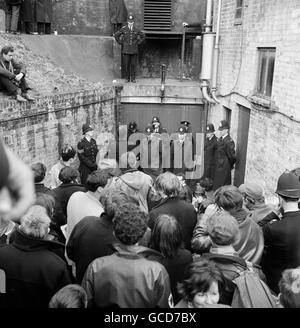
(166, 236)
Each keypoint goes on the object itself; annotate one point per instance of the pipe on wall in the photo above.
(216, 56)
(207, 53)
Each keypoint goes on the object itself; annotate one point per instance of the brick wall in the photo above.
(37, 132)
(274, 139)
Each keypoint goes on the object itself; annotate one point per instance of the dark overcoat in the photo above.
(27, 11)
(225, 160)
(87, 152)
(43, 11)
(282, 245)
(117, 11)
(34, 272)
(183, 212)
(184, 151)
(130, 40)
(210, 147)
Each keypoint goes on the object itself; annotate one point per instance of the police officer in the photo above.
(87, 152)
(151, 153)
(282, 238)
(210, 147)
(132, 129)
(156, 125)
(187, 124)
(182, 152)
(225, 157)
(130, 37)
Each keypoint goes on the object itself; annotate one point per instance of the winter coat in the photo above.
(260, 211)
(63, 193)
(231, 266)
(210, 147)
(34, 273)
(250, 244)
(185, 163)
(43, 11)
(282, 245)
(91, 238)
(28, 11)
(183, 211)
(136, 184)
(225, 159)
(175, 267)
(87, 152)
(127, 279)
(117, 11)
(129, 39)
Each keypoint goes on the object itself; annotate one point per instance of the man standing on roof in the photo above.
(130, 37)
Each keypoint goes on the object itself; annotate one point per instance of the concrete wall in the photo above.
(37, 132)
(274, 134)
(91, 17)
(90, 57)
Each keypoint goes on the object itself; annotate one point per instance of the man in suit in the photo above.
(282, 238)
(210, 147)
(225, 157)
(87, 152)
(130, 37)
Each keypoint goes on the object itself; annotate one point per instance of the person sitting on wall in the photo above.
(12, 76)
(130, 37)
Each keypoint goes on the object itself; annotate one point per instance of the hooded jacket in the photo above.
(250, 244)
(135, 184)
(34, 273)
(127, 279)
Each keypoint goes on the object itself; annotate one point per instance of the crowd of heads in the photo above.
(204, 280)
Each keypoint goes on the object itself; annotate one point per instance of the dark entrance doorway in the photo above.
(242, 144)
(170, 115)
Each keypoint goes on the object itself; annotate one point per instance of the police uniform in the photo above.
(129, 38)
(151, 153)
(159, 129)
(185, 146)
(131, 146)
(87, 152)
(210, 147)
(282, 238)
(225, 159)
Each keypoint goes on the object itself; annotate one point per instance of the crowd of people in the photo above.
(115, 236)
